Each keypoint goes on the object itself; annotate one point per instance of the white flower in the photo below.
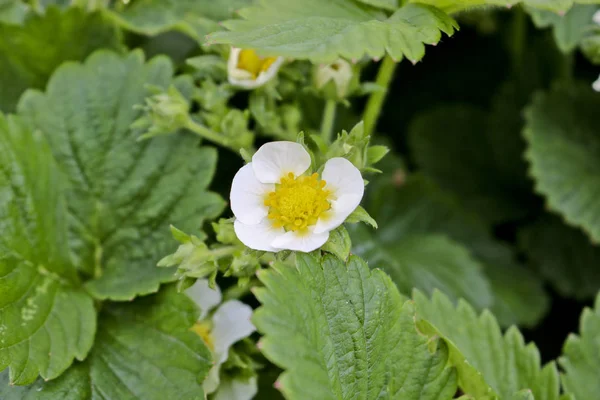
(248, 70)
(229, 324)
(596, 17)
(596, 85)
(278, 208)
(339, 72)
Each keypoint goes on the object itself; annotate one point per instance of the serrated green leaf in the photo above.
(339, 243)
(387, 4)
(564, 153)
(30, 52)
(455, 146)
(195, 18)
(143, 351)
(323, 31)
(46, 321)
(581, 357)
(564, 256)
(361, 215)
(455, 6)
(420, 208)
(124, 193)
(570, 28)
(488, 363)
(341, 331)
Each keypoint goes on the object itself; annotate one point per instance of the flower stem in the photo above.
(328, 120)
(207, 134)
(373, 109)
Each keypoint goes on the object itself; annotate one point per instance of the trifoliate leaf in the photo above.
(143, 351)
(454, 146)
(420, 208)
(342, 331)
(564, 153)
(339, 243)
(195, 18)
(30, 52)
(426, 262)
(45, 319)
(454, 6)
(124, 193)
(570, 28)
(488, 363)
(323, 31)
(581, 357)
(564, 256)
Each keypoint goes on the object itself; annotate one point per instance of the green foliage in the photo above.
(45, 320)
(339, 243)
(30, 52)
(455, 6)
(124, 193)
(564, 153)
(488, 363)
(342, 331)
(143, 350)
(339, 27)
(581, 357)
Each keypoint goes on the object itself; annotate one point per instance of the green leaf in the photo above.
(564, 256)
(323, 31)
(195, 18)
(387, 4)
(581, 357)
(564, 153)
(488, 363)
(12, 11)
(361, 215)
(339, 243)
(420, 208)
(454, 145)
(45, 319)
(341, 331)
(144, 350)
(455, 6)
(124, 193)
(425, 262)
(30, 52)
(570, 28)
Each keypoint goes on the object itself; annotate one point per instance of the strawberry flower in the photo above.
(279, 206)
(248, 70)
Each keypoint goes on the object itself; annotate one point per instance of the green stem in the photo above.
(224, 251)
(565, 71)
(519, 36)
(207, 134)
(328, 120)
(373, 109)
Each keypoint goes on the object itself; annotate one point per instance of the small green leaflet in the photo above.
(143, 351)
(323, 31)
(30, 52)
(581, 357)
(488, 363)
(339, 243)
(124, 193)
(564, 153)
(341, 331)
(564, 256)
(45, 320)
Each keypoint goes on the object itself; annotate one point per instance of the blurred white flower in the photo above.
(596, 17)
(229, 324)
(277, 208)
(596, 85)
(339, 72)
(248, 70)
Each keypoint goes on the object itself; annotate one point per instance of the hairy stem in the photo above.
(328, 120)
(373, 109)
(207, 134)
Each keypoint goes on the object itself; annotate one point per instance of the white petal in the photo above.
(259, 236)
(248, 195)
(596, 17)
(347, 187)
(212, 380)
(231, 323)
(276, 159)
(236, 389)
(596, 85)
(205, 297)
(305, 242)
(270, 73)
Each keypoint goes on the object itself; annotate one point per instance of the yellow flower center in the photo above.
(203, 329)
(251, 62)
(297, 203)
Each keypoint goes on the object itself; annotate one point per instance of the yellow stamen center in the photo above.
(203, 330)
(297, 203)
(251, 62)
